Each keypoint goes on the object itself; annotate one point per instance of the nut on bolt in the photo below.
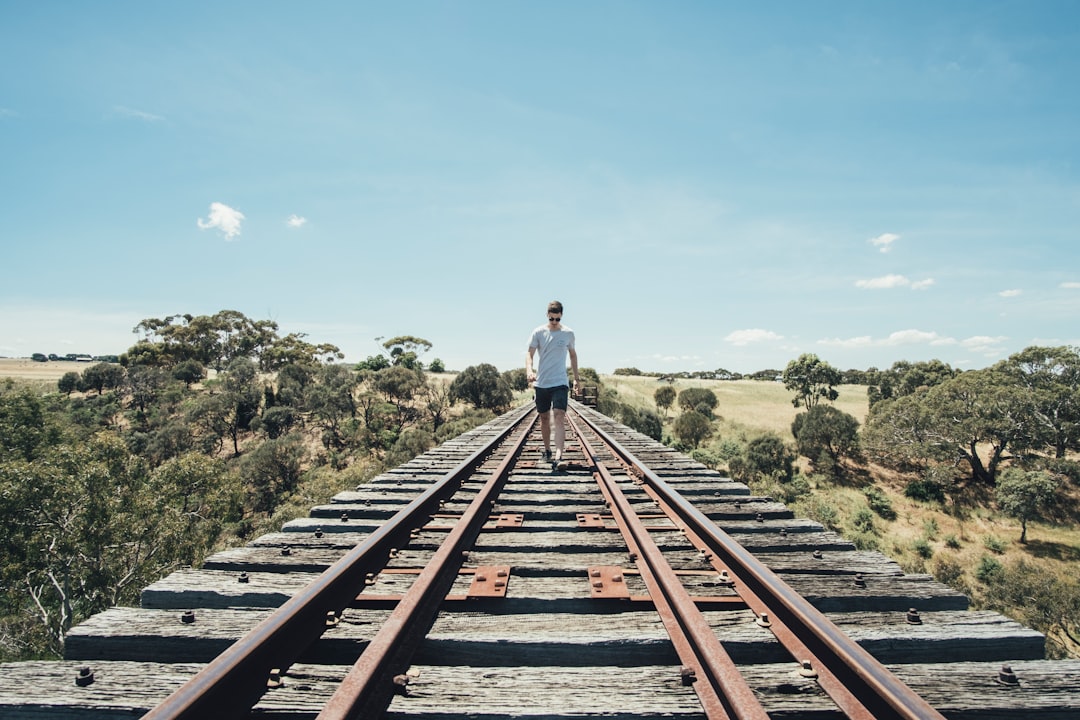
(688, 675)
(85, 677)
(913, 617)
(188, 617)
(1006, 676)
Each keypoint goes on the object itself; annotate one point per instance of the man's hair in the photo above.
(555, 307)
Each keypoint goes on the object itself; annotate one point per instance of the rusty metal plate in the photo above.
(587, 520)
(510, 520)
(489, 581)
(607, 581)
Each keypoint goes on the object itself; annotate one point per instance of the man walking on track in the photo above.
(551, 343)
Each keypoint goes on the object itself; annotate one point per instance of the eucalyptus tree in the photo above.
(812, 380)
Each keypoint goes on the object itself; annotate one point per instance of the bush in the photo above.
(770, 457)
(926, 490)
(880, 503)
(988, 570)
(863, 521)
(951, 541)
(923, 548)
(994, 544)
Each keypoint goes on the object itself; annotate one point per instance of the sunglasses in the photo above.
(551, 319)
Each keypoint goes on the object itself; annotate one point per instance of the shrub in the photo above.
(951, 541)
(923, 548)
(994, 544)
(863, 521)
(988, 570)
(926, 490)
(930, 528)
(880, 503)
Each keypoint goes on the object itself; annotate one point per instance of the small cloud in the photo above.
(137, 114)
(756, 335)
(884, 241)
(985, 344)
(224, 218)
(1010, 293)
(1071, 285)
(296, 221)
(887, 282)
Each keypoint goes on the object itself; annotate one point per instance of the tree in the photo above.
(517, 379)
(980, 408)
(189, 372)
(406, 350)
(437, 366)
(329, 397)
(826, 429)
(243, 397)
(1023, 495)
(691, 427)
(1052, 376)
(68, 383)
(699, 399)
(906, 378)
(102, 377)
(664, 397)
(483, 386)
(769, 456)
(812, 380)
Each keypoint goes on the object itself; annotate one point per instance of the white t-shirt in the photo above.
(551, 346)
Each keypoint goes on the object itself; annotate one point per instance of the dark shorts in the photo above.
(556, 397)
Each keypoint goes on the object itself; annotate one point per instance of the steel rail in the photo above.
(369, 686)
(722, 690)
(860, 685)
(231, 684)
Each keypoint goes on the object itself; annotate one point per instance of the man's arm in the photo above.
(530, 376)
(573, 366)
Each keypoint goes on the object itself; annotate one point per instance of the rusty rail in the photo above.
(233, 683)
(861, 687)
(721, 688)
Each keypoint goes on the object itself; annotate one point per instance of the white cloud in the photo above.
(1010, 293)
(224, 218)
(887, 282)
(296, 221)
(884, 241)
(137, 114)
(900, 337)
(755, 335)
(985, 344)
(1071, 285)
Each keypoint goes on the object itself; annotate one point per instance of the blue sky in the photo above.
(703, 184)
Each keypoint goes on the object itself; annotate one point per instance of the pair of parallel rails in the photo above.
(478, 581)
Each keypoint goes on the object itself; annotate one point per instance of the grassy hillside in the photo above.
(964, 542)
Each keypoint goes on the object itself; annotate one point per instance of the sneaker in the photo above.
(546, 456)
(559, 463)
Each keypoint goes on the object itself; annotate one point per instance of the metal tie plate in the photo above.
(587, 520)
(608, 581)
(489, 581)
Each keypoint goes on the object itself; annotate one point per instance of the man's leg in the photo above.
(545, 430)
(560, 432)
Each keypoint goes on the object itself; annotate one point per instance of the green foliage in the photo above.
(994, 544)
(708, 458)
(769, 456)
(1024, 495)
(697, 399)
(68, 382)
(880, 503)
(692, 427)
(923, 548)
(826, 429)
(988, 570)
(101, 377)
(1045, 601)
(1051, 375)
(952, 542)
(947, 569)
(863, 521)
(271, 470)
(906, 378)
(483, 386)
(436, 366)
(645, 421)
(812, 380)
(664, 397)
(927, 488)
(517, 379)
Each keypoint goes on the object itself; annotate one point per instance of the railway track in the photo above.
(476, 581)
